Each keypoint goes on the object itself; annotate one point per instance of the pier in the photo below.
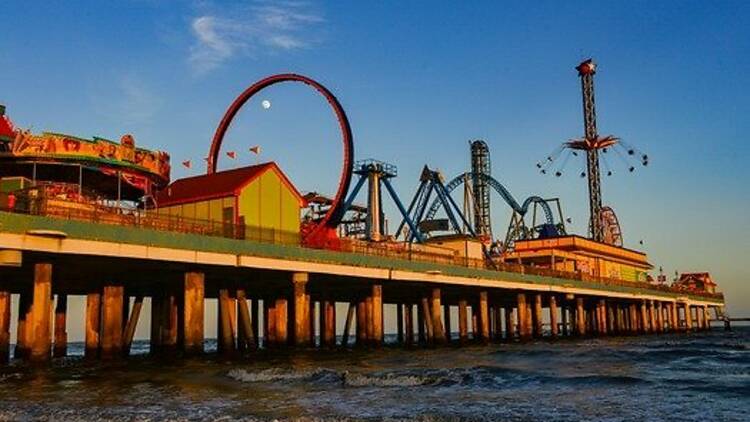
(102, 220)
(116, 268)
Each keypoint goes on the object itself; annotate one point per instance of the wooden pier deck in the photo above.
(48, 259)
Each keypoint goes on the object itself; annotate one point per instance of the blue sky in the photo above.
(418, 80)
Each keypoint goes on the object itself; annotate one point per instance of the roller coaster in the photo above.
(517, 229)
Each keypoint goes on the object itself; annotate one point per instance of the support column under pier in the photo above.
(4, 327)
(524, 324)
(112, 322)
(580, 317)
(463, 321)
(553, 316)
(60, 348)
(437, 322)
(301, 310)
(484, 317)
(193, 305)
(39, 325)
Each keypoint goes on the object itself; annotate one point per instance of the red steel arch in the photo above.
(324, 231)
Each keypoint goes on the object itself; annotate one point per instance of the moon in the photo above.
(265, 104)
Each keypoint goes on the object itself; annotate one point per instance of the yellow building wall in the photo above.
(270, 209)
(211, 210)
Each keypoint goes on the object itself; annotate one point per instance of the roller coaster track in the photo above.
(521, 209)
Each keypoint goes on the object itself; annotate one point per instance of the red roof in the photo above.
(218, 185)
(6, 128)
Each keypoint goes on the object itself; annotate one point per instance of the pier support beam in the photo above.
(227, 323)
(580, 317)
(350, 315)
(409, 324)
(328, 322)
(301, 310)
(553, 316)
(193, 313)
(427, 320)
(688, 317)
(377, 314)
(537, 318)
(361, 322)
(484, 317)
(644, 318)
(246, 335)
(524, 324)
(131, 325)
(282, 322)
(39, 326)
(510, 324)
(4, 327)
(436, 310)
(399, 323)
(60, 348)
(93, 325)
(463, 321)
(112, 310)
(269, 323)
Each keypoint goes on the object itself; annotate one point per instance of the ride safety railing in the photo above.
(151, 219)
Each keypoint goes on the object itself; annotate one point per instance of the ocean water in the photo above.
(695, 377)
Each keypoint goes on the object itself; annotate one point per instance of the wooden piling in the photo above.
(111, 333)
(523, 322)
(688, 318)
(193, 310)
(484, 318)
(23, 342)
(537, 318)
(437, 321)
(421, 325)
(301, 310)
(370, 322)
(399, 323)
(361, 322)
(603, 323)
(463, 323)
(564, 317)
(580, 317)
(427, 318)
(348, 323)
(255, 315)
(245, 333)
(707, 317)
(60, 348)
(4, 327)
(447, 325)
(93, 325)
(409, 324)
(510, 324)
(130, 326)
(644, 318)
(226, 325)
(269, 323)
(40, 324)
(328, 326)
(553, 315)
(282, 321)
(157, 319)
(377, 314)
(170, 326)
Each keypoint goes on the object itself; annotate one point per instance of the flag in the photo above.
(255, 150)
(232, 154)
(187, 164)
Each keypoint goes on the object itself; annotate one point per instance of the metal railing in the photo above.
(101, 214)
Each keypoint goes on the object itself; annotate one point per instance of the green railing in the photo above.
(111, 216)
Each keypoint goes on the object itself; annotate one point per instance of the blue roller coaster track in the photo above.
(521, 209)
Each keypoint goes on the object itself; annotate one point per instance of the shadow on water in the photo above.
(698, 376)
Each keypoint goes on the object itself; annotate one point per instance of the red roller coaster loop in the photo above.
(323, 234)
